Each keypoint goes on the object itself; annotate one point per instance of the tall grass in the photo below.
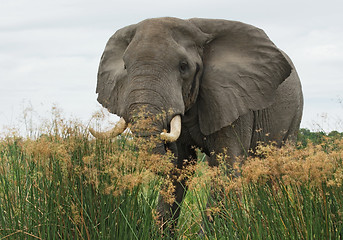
(65, 185)
(59, 193)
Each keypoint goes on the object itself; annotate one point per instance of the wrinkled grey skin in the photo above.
(232, 86)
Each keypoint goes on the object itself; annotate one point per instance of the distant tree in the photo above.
(335, 134)
(305, 136)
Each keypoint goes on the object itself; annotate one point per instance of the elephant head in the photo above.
(169, 65)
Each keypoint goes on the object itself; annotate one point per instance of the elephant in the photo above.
(219, 84)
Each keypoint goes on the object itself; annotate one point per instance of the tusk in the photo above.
(175, 130)
(118, 129)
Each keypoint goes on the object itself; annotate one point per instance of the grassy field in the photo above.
(62, 184)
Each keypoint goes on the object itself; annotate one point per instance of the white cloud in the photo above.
(49, 50)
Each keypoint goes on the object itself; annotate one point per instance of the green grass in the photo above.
(64, 185)
(291, 213)
(51, 194)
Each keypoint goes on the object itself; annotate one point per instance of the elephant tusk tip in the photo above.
(175, 130)
(94, 133)
(117, 130)
(168, 137)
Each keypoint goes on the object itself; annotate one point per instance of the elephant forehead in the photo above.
(151, 43)
(151, 48)
(162, 23)
(165, 39)
(154, 28)
(167, 28)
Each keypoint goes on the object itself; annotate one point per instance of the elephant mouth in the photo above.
(121, 125)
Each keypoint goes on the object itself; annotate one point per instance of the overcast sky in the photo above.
(50, 50)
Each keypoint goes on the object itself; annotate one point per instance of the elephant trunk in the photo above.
(146, 124)
(150, 102)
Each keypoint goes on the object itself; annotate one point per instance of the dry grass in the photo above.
(65, 184)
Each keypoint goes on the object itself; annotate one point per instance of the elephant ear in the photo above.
(112, 73)
(242, 70)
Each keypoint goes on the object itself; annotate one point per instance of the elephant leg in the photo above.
(186, 157)
(232, 141)
(227, 145)
(292, 133)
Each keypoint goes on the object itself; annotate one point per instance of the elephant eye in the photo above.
(183, 67)
(124, 66)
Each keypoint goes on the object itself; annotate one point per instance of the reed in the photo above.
(63, 184)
